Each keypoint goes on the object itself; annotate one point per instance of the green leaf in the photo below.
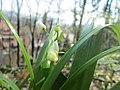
(3, 84)
(41, 78)
(40, 60)
(59, 82)
(8, 82)
(116, 86)
(26, 56)
(50, 44)
(87, 50)
(68, 83)
(116, 29)
(57, 69)
(60, 36)
(42, 54)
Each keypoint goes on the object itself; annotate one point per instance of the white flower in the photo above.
(52, 56)
(41, 25)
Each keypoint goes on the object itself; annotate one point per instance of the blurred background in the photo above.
(73, 15)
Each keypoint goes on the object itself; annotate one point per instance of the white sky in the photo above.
(66, 5)
(66, 16)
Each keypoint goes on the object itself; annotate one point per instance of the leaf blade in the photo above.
(116, 86)
(9, 82)
(86, 65)
(55, 72)
(26, 56)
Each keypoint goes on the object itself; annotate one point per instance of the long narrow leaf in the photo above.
(40, 60)
(42, 53)
(67, 84)
(116, 86)
(26, 56)
(85, 52)
(4, 84)
(54, 74)
(9, 82)
(89, 50)
(59, 82)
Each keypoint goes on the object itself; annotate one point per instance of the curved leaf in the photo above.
(3, 84)
(57, 69)
(86, 51)
(42, 53)
(9, 82)
(116, 86)
(67, 84)
(116, 29)
(89, 50)
(26, 56)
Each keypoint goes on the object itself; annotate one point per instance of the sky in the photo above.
(67, 16)
(66, 5)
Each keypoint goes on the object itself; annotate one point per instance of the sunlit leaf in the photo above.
(57, 69)
(68, 83)
(116, 86)
(26, 56)
(8, 82)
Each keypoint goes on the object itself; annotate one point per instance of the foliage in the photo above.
(46, 73)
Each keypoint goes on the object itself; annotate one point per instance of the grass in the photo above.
(46, 75)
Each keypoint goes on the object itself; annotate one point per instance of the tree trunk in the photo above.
(32, 51)
(74, 22)
(19, 5)
(81, 18)
(9, 51)
(33, 38)
(18, 30)
(107, 11)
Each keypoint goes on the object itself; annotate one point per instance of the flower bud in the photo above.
(52, 55)
(41, 25)
(57, 29)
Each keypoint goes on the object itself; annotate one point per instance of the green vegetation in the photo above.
(47, 74)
